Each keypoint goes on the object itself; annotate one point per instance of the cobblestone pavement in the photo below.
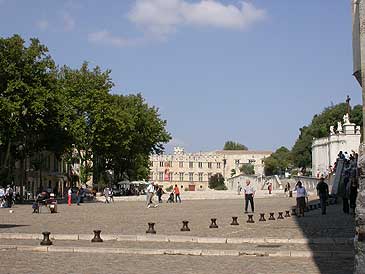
(132, 218)
(64, 263)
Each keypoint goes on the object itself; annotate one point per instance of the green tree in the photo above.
(278, 162)
(230, 145)
(247, 169)
(216, 182)
(27, 95)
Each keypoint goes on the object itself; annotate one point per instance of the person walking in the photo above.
(322, 191)
(177, 194)
(301, 195)
(239, 188)
(159, 193)
(106, 194)
(150, 192)
(69, 196)
(249, 194)
(270, 188)
(111, 194)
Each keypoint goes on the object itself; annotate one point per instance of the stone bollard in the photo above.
(250, 219)
(280, 217)
(185, 226)
(97, 238)
(151, 228)
(310, 207)
(271, 216)
(234, 221)
(213, 224)
(287, 213)
(262, 217)
(294, 211)
(46, 240)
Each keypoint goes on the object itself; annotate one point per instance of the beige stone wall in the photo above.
(194, 169)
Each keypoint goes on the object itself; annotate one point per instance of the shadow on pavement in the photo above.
(335, 225)
(10, 225)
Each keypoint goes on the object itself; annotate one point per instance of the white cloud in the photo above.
(42, 24)
(68, 22)
(106, 38)
(161, 17)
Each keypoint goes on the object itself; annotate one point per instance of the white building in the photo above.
(346, 138)
(193, 170)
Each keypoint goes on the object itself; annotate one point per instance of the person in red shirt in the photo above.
(177, 194)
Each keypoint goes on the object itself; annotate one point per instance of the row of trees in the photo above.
(44, 107)
(301, 154)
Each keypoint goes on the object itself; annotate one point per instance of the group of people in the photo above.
(154, 189)
(7, 197)
(350, 180)
(80, 193)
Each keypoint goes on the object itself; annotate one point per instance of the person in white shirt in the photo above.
(301, 195)
(249, 194)
(150, 192)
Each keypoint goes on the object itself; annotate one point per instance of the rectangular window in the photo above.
(209, 165)
(161, 164)
(209, 175)
(181, 164)
(191, 164)
(200, 165)
(191, 176)
(218, 165)
(170, 176)
(181, 175)
(200, 176)
(160, 176)
(170, 163)
(236, 162)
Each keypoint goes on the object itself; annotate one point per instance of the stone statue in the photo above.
(346, 119)
(339, 127)
(332, 130)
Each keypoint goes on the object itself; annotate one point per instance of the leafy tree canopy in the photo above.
(230, 145)
(247, 169)
(278, 162)
(216, 182)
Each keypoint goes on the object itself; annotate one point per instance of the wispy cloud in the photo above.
(68, 22)
(159, 18)
(42, 24)
(106, 38)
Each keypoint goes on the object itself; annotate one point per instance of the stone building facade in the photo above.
(193, 170)
(345, 138)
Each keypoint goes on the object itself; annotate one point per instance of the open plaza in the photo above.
(272, 246)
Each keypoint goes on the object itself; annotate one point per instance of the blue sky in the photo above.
(249, 71)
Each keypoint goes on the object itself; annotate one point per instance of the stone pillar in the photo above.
(359, 47)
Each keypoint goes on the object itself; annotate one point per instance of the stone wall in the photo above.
(325, 150)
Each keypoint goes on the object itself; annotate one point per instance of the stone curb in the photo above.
(186, 252)
(178, 239)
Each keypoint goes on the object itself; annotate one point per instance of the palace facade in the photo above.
(192, 170)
